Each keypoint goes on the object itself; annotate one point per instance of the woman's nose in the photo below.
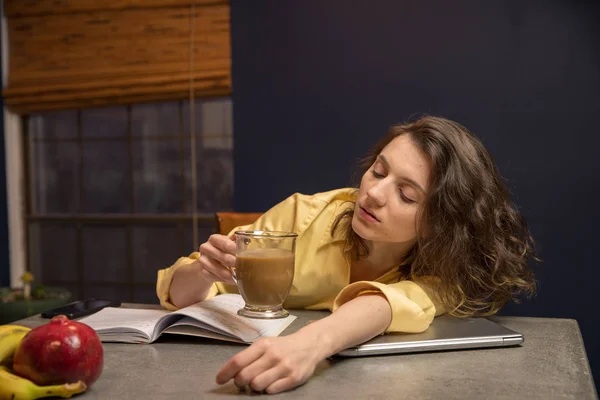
(376, 194)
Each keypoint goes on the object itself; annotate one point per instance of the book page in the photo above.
(122, 323)
(193, 322)
(221, 313)
(190, 330)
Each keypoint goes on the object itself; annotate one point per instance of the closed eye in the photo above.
(377, 174)
(404, 198)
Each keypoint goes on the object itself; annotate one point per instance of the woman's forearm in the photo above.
(355, 322)
(188, 285)
(281, 363)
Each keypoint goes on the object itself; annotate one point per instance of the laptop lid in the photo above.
(444, 333)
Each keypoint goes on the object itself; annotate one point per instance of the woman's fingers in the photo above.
(223, 243)
(214, 271)
(210, 250)
(289, 382)
(239, 362)
(263, 380)
(272, 364)
(217, 257)
(247, 375)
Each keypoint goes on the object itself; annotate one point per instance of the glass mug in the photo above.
(264, 271)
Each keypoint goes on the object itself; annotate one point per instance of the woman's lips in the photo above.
(367, 215)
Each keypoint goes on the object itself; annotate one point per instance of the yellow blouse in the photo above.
(322, 272)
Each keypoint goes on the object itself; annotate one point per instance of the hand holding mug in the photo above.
(217, 258)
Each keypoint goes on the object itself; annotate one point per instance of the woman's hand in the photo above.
(274, 364)
(217, 257)
(191, 282)
(282, 363)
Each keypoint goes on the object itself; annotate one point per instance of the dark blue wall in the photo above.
(316, 83)
(4, 259)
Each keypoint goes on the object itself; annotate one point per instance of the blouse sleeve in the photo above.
(413, 305)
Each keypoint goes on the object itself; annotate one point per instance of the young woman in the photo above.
(430, 230)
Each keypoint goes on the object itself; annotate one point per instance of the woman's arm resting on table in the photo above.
(282, 363)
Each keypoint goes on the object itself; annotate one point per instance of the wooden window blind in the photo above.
(66, 54)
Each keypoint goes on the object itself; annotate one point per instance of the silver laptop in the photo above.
(444, 333)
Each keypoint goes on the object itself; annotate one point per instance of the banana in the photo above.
(9, 327)
(10, 337)
(13, 387)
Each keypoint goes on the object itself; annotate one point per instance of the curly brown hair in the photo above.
(474, 240)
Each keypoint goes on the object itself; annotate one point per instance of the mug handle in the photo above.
(232, 269)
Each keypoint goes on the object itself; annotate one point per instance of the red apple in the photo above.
(62, 351)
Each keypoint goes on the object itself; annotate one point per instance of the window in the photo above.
(110, 192)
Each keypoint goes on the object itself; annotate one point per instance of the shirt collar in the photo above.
(339, 235)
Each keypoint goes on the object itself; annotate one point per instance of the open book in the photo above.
(213, 318)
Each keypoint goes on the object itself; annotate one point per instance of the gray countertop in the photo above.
(550, 364)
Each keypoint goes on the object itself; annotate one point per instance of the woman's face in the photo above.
(391, 192)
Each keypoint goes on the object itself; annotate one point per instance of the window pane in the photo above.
(52, 125)
(217, 119)
(55, 258)
(104, 254)
(55, 177)
(205, 229)
(104, 122)
(153, 168)
(158, 180)
(218, 143)
(185, 112)
(212, 117)
(154, 247)
(106, 177)
(156, 119)
(214, 177)
(214, 157)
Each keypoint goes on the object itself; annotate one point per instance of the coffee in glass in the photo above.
(264, 271)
